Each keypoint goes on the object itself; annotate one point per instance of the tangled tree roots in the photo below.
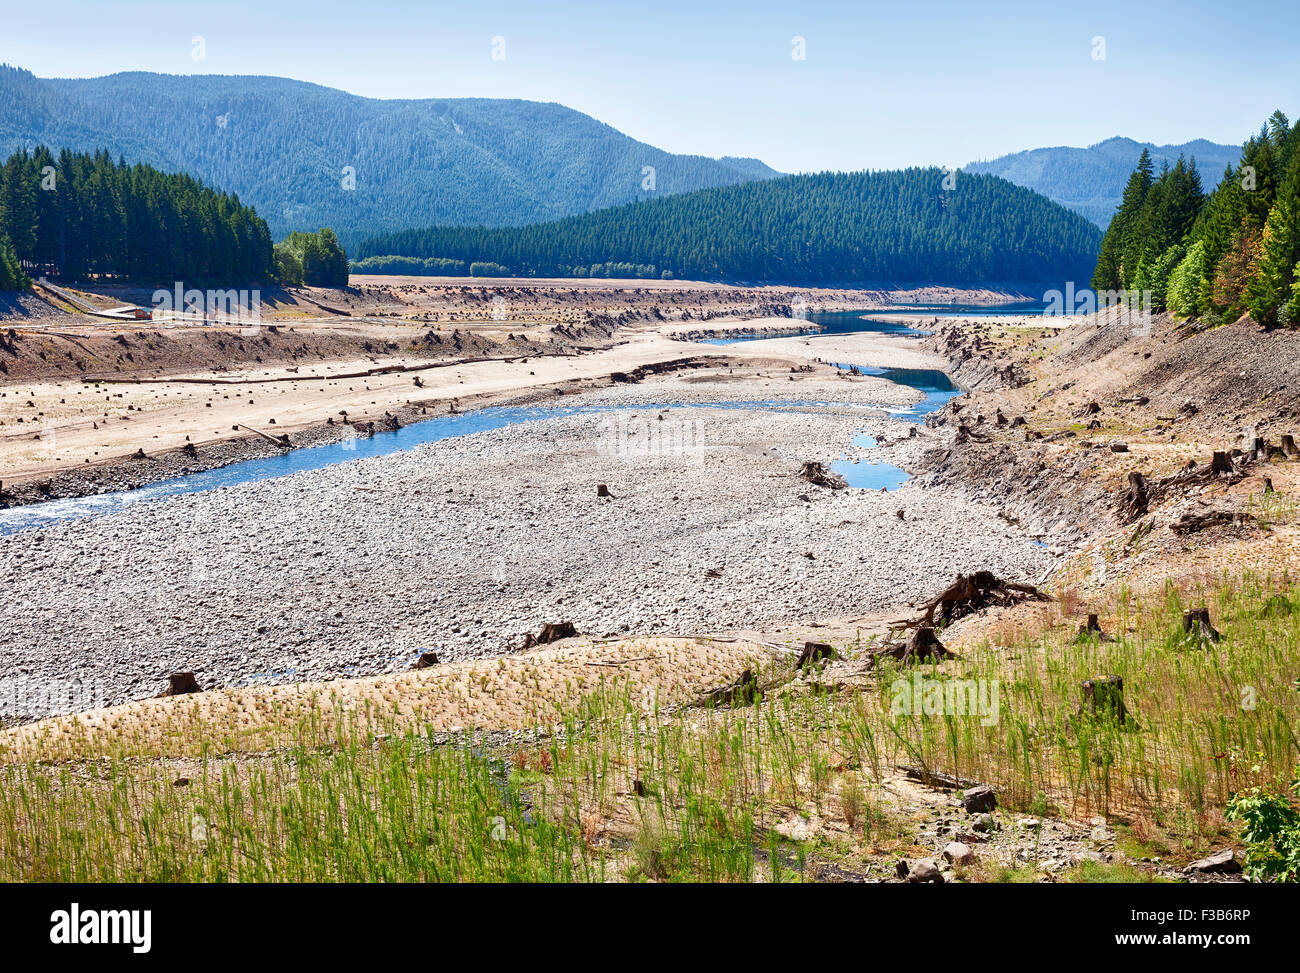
(551, 632)
(970, 593)
(741, 691)
(817, 474)
(923, 646)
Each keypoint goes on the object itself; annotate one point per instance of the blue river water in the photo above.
(937, 387)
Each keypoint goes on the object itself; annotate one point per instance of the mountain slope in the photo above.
(829, 227)
(282, 145)
(1091, 181)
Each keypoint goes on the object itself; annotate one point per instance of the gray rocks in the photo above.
(925, 871)
(459, 547)
(958, 853)
(979, 799)
(1220, 863)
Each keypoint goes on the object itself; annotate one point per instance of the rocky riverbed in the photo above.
(464, 545)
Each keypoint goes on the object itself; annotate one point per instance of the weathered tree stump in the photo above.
(1103, 699)
(1220, 462)
(427, 660)
(813, 652)
(923, 646)
(551, 632)
(1136, 499)
(1197, 627)
(1289, 448)
(603, 491)
(972, 593)
(1091, 630)
(180, 683)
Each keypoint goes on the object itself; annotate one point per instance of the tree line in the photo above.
(1213, 256)
(79, 216)
(911, 225)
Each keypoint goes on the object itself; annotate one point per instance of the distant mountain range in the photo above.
(289, 148)
(1091, 181)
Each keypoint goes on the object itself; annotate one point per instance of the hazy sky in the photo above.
(882, 84)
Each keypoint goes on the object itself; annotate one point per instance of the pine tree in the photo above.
(1270, 286)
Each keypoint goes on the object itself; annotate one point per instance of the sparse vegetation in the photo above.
(622, 789)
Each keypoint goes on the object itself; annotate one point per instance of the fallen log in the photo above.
(937, 778)
(744, 689)
(1190, 523)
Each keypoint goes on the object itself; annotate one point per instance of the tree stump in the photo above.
(1197, 627)
(817, 474)
(1103, 699)
(1091, 629)
(1220, 462)
(1136, 499)
(813, 652)
(427, 660)
(925, 645)
(551, 632)
(180, 683)
(1289, 448)
(603, 491)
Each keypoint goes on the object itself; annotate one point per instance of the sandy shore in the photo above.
(69, 424)
(864, 348)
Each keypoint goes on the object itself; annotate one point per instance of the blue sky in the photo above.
(882, 84)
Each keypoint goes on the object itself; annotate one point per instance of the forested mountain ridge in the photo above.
(283, 147)
(897, 226)
(1091, 181)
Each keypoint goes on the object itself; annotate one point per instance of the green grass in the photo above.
(616, 793)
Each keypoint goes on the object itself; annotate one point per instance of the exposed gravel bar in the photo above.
(465, 544)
